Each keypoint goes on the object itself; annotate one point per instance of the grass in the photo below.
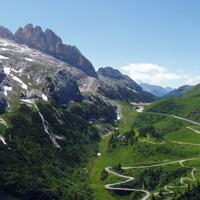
(98, 165)
(106, 159)
(128, 116)
(186, 105)
(195, 127)
(143, 153)
(184, 135)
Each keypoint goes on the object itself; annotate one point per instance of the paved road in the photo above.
(175, 116)
(196, 131)
(128, 179)
(188, 120)
(168, 188)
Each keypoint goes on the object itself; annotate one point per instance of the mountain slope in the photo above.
(155, 90)
(27, 73)
(186, 106)
(45, 163)
(115, 85)
(51, 44)
(180, 91)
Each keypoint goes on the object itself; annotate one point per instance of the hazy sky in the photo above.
(154, 41)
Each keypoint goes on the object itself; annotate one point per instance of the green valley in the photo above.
(161, 153)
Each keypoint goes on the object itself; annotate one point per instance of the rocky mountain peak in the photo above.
(28, 27)
(31, 36)
(52, 44)
(52, 39)
(5, 33)
(110, 72)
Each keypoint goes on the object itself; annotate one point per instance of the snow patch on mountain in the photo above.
(29, 59)
(3, 57)
(3, 140)
(44, 97)
(6, 89)
(23, 85)
(17, 71)
(132, 90)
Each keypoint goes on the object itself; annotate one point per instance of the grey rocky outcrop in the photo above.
(50, 43)
(63, 88)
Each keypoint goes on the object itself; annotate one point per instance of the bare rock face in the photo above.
(5, 33)
(63, 88)
(110, 72)
(50, 43)
(27, 74)
(115, 85)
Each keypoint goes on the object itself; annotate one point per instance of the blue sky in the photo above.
(155, 41)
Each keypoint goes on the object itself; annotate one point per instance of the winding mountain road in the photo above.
(168, 188)
(111, 186)
(196, 131)
(187, 120)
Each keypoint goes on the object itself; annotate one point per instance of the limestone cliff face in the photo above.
(50, 43)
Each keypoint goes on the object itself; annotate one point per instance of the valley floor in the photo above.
(150, 168)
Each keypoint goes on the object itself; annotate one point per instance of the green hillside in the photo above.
(186, 106)
(144, 140)
(37, 165)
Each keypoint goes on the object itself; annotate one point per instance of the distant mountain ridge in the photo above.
(155, 89)
(180, 91)
(115, 85)
(186, 105)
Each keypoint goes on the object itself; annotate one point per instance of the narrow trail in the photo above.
(168, 188)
